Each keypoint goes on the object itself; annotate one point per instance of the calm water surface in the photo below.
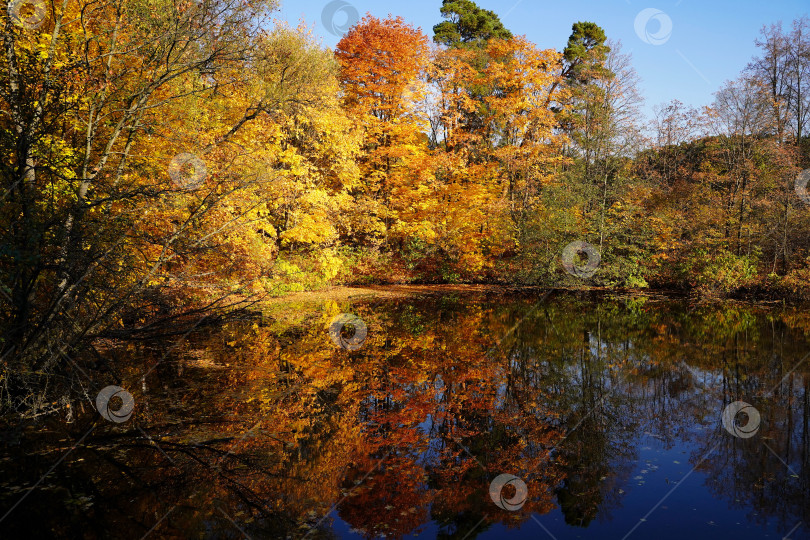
(608, 410)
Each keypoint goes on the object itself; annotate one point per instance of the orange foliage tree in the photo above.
(382, 63)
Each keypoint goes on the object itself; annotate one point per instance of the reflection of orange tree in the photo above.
(303, 421)
(429, 396)
(392, 500)
(481, 410)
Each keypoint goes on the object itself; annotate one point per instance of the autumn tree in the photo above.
(741, 112)
(798, 66)
(83, 92)
(674, 123)
(625, 232)
(382, 63)
(464, 40)
(493, 169)
(524, 141)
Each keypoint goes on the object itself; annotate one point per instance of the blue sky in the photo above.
(710, 41)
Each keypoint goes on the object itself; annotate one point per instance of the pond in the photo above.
(526, 415)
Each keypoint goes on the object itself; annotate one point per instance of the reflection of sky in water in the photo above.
(687, 511)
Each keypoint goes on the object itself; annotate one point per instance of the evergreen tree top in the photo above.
(467, 25)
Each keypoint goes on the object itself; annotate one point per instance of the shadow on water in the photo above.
(608, 410)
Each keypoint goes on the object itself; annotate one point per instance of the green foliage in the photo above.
(304, 271)
(586, 52)
(719, 272)
(625, 271)
(468, 26)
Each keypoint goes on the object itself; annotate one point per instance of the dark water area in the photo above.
(615, 417)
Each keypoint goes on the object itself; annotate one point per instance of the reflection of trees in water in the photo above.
(754, 359)
(769, 473)
(415, 424)
(577, 367)
(665, 380)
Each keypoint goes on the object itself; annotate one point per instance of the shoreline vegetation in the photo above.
(161, 160)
